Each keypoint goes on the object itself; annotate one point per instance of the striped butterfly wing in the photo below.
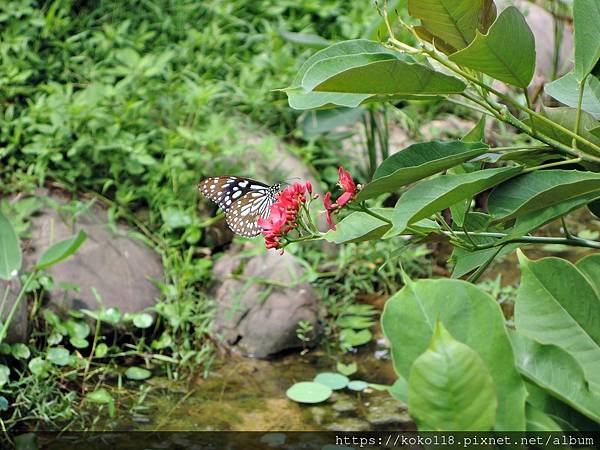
(243, 200)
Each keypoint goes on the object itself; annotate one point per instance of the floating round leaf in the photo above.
(333, 380)
(346, 369)
(309, 392)
(137, 373)
(357, 385)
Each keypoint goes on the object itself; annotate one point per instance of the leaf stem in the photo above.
(578, 113)
(572, 241)
(13, 310)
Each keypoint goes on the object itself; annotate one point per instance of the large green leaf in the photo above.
(327, 68)
(566, 90)
(555, 370)
(390, 77)
(450, 388)
(566, 117)
(540, 189)
(10, 251)
(419, 161)
(557, 305)
(431, 196)
(590, 267)
(535, 219)
(466, 261)
(61, 250)
(540, 421)
(299, 99)
(473, 318)
(586, 17)
(506, 53)
(360, 226)
(453, 22)
(316, 123)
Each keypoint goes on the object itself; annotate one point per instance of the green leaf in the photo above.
(466, 261)
(477, 133)
(334, 381)
(399, 390)
(586, 17)
(546, 310)
(299, 99)
(346, 369)
(38, 367)
(309, 392)
(3, 404)
(539, 421)
(10, 251)
(506, 53)
(355, 322)
(360, 226)
(351, 338)
(419, 161)
(431, 196)
(61, 251)
(59, 356)
(137, 373)
(4, 374)
(408, 322)
(450, 388)
(304, 39)
(143, 320)
(590, 267)
(79, 342)
(566, 117)
(316, 123)
(534, 191)
(594, 208)
(556, 371)
(100, 396)
(20, 351)
(328, 68)
(454, 22)
(566, 90)
(392, 77)
(533, 220)
(101, 350)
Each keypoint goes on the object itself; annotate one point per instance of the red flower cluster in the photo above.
(350, 189)
(284, 213)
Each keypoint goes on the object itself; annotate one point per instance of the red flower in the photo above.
(284, 214)
(348, 185)
(329, 208)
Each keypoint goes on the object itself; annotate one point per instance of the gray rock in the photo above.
(260, 302)
(387, 411)
(349, 424)
(344, 405)
(117, 266)
(18, 330)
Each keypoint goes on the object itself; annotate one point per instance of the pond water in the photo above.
(249, 394)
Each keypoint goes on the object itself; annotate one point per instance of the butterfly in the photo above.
(243, 200)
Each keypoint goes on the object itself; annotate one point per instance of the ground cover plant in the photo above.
(446, 331)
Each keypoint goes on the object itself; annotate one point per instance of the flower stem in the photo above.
(572, 241)
(13, 310)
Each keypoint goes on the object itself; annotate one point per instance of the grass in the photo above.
(133, 108)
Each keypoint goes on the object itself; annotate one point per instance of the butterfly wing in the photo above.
(225, 191)
(243, 200)
(243, 216)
